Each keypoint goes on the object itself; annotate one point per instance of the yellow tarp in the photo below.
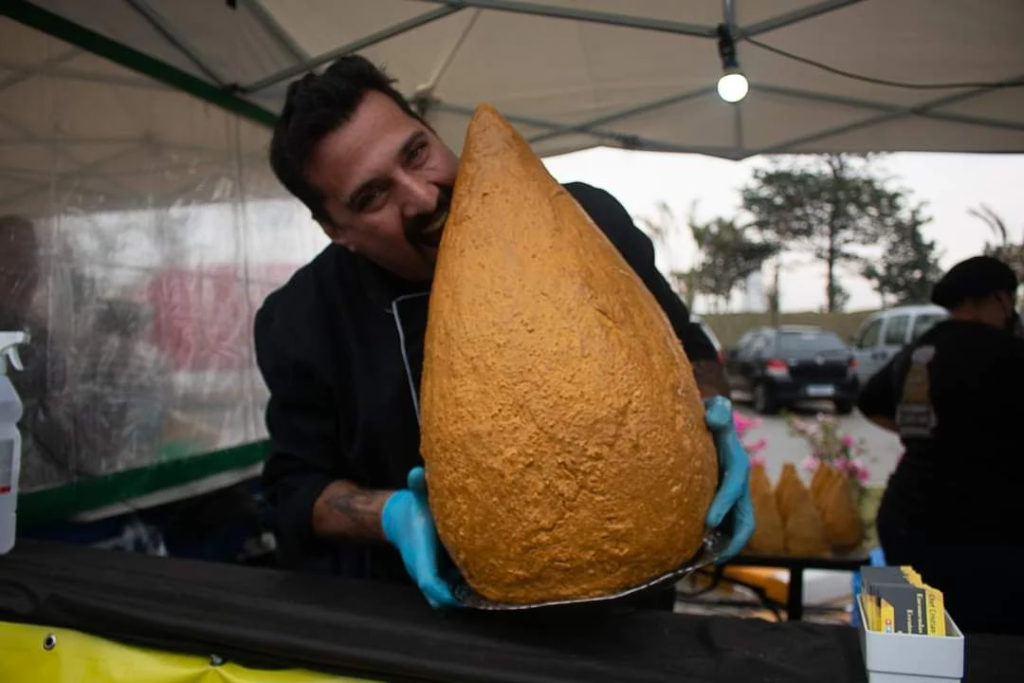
(79, 658)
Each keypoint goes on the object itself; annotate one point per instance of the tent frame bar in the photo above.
(28, 14)
(172, 36)
(923, 109)
(623, 140)
(587, 126)
(22, 73)
(273, 28)
(82, 168)
(882, 107)
(87, 76)
(31, 136)
(227, 97)
(356, 45)
(647, 23)
(794, 17)
(753, 30)
(592, 16)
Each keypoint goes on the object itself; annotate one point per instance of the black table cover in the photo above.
(265, 618)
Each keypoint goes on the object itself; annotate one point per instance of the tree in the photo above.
(773, 295)
(995, 223)
(727, 257)
(838, 297)
(909, 264)
(664, 231)
(1004, 250)
(724, 259)
(826, 205)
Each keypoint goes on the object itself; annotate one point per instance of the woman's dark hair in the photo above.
(316, 105)
(974, 278)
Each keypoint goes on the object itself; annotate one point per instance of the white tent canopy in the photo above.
(133, 138)
(638, 74)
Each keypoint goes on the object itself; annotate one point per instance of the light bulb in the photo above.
(733, 86)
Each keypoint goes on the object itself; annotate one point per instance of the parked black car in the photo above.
(783, 365)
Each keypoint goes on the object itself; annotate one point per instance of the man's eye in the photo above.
(370, 200)
(418, 153)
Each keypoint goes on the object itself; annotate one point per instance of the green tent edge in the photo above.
(62, 503)
(26, 13)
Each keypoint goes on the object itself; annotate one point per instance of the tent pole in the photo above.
(177, 41)
(729, 15)
(592, 16)
(794, 17)
(586, 126)
(427, 89)
(354, 46)
(274, 28)
(35, 17)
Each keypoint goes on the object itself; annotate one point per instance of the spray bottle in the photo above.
(10, 438)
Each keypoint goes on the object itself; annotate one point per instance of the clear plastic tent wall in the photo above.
(140, 229)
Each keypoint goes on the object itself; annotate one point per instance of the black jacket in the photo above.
(955, 395)
(341, 405)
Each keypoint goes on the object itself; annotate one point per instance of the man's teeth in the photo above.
(438, 225)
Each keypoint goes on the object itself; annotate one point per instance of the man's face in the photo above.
(387, 182)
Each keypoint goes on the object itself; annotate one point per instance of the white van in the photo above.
(883, 334)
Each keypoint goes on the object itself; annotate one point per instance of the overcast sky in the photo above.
(950, 184)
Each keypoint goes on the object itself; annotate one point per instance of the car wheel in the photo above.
(764, 402)
(844, 407)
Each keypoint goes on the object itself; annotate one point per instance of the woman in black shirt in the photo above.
(954, 507)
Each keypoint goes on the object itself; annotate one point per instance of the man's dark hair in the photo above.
(316, 105)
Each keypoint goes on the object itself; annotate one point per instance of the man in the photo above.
(46, 435)
(99, 402)
(340, 345)
(953, 505)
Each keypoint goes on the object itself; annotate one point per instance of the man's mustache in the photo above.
(425, 229)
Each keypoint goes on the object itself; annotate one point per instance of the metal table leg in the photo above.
(795, 595)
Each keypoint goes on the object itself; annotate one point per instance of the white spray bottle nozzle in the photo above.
(9, 343)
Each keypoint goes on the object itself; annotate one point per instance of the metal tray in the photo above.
(715, 543)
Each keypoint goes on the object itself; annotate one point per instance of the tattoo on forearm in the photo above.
(710, 378)
(361, 510)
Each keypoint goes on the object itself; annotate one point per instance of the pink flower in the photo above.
(810, 464)
(757, 446)
(854, 469)
(745, 424)
(757, 460)
(859, 471)
(848, 441)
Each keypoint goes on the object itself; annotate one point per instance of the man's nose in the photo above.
(418, 197)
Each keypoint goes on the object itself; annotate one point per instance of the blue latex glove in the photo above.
(733, 497)
(409, 526)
